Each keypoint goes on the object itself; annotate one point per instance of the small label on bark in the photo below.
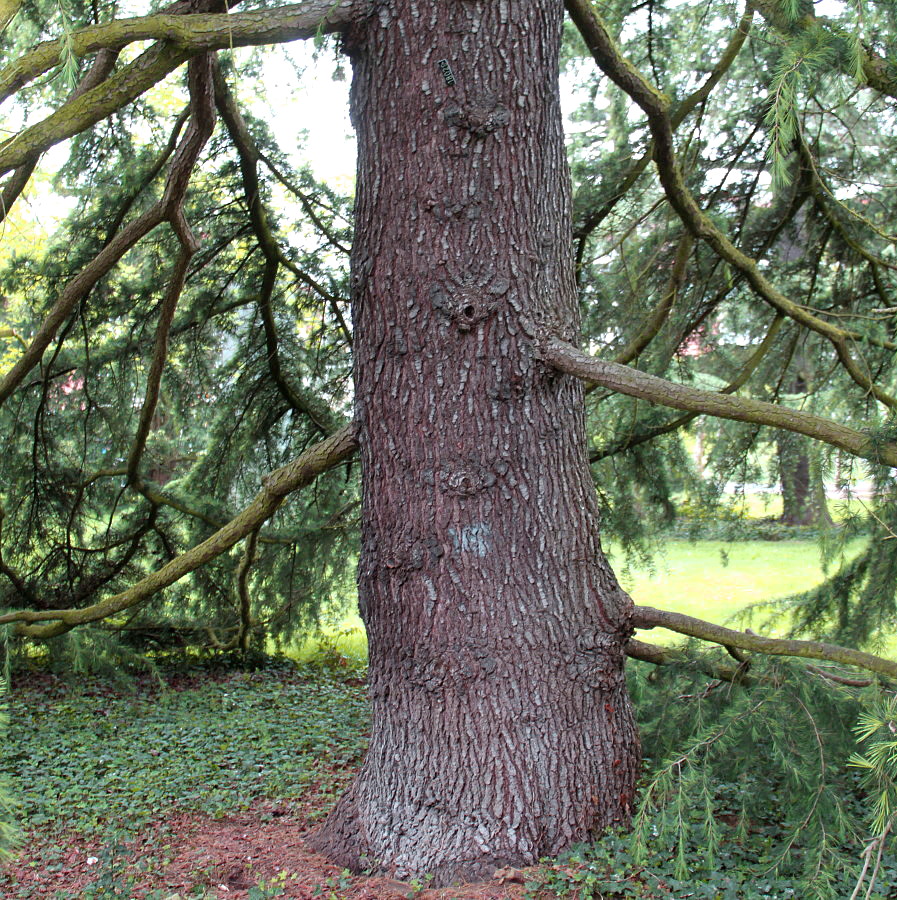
(447, 74)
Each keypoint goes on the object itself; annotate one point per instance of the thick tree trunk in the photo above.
(501, 726)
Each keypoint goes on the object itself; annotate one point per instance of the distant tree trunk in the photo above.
(502, 730)
(803, 492)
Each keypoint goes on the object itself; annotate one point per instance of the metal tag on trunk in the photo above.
(446, 70)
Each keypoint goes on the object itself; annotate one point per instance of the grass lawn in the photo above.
(715, 580)
(712, 580)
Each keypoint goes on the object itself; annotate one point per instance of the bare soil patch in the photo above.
(187, 856)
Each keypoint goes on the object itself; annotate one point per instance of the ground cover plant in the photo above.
(211, 777)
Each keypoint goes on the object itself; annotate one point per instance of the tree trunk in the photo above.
(803, 492)
(502, 730)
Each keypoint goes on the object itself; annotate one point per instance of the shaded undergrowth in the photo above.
(747, 792)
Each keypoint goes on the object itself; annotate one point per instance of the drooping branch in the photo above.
(660, 313)
(299, 399)
(275, 489)
(656, 107)
(648, 617)
(182, 36)
(160, 356)
(149, 176)
(685, 109)
(653, 431)
(878, 72)
(166, 209)
(660, 655)
(244, 632)
(306, 202)
(626, 380)
(202, 123)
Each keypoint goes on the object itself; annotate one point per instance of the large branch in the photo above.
(183, 36)
(648, 617)
(275, 488)
(76, 115)
(634, 383)
(685, 109)
(189, 34)
(16, 183)
(8, 9)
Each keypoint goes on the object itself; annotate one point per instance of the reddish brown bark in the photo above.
(502, 731)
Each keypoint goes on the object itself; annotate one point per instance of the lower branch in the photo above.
(275, 488)
(648, 617)
(667, 656)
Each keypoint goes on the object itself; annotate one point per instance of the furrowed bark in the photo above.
(501, 727)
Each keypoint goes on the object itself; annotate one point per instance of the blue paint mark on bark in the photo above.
(475, 538)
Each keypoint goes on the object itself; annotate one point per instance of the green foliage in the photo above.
(69, 66)
(695, 521)
(857, 604)
(808, 57)
(877, 731)
(9, 831)
(747, 794)
(96, 760)
(77, 531)
(709, 737)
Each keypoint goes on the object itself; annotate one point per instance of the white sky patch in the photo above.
(829, 7)
(309, 113)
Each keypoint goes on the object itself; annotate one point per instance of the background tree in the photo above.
(184, 337)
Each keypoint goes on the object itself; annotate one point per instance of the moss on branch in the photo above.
(276, 487)
(634, 383)
(188, 34)
(648, 617)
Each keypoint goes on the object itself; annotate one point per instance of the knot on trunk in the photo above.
(481, 116)
(597, 660)
(470, 302)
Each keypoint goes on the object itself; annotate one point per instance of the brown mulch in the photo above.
(187, 854)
